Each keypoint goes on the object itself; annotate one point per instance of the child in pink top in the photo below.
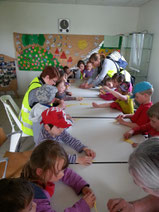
(112, 83)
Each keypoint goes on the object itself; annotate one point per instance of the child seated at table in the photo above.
(49, 164)
(88, 72)
(151, 129)
(123, 101)
(63, 94)
(46, 99)
(54, 128)
(69, 73)
(112, 83)
(142, 93)
(16, 195)
(79, 71)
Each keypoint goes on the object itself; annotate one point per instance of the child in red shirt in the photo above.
(151, 128)
(142, 93)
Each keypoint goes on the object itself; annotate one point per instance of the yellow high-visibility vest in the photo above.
(26, 124)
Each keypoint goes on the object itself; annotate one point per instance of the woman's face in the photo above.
(49, 81)
(96, 63)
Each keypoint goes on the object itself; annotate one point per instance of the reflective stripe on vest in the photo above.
(110, 73)
(26, 124)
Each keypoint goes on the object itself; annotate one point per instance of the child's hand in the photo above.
(89, 152)
(86, 190)
(69, 117)
(90, 199)
(107, 88)
(120, 116)
(102, 91)
(79, 98)
(94, 104)
(120, 120)
(84, 160)
(115, 205)
(128, 134)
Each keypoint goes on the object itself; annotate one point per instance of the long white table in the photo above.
(84, 108)
(105, 137)
(107, 181)
(76, 91)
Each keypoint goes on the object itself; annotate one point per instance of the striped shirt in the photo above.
(66, 138)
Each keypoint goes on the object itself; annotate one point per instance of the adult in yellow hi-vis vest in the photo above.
(49, 76)
(105, 67)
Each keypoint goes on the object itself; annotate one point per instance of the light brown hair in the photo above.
(44, 156)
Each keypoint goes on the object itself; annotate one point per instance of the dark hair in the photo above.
(65, 68)
(15, 194)
(118, 77)
(106, 79)
(50, 71)
(44, 156)
(94, 57)
(80, 62)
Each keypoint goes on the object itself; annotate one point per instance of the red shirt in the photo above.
(146, 128)
(140, 117)
(50, 188)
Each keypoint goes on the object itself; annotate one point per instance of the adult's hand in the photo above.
(116, 205)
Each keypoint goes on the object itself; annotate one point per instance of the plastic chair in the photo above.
(12, 111)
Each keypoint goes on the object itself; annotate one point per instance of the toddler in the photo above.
(62, 94)
(88, 72)
(123, 101)
(151, 128)
(142, 93)
(68, 72)
(48, 164)
(54, 128)
(16, 195)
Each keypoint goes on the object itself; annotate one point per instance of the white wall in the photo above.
(149, 20)
(42, 18)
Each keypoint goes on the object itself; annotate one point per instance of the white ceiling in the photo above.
(122, 3)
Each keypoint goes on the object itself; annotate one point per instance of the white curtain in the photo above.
(136, 51)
